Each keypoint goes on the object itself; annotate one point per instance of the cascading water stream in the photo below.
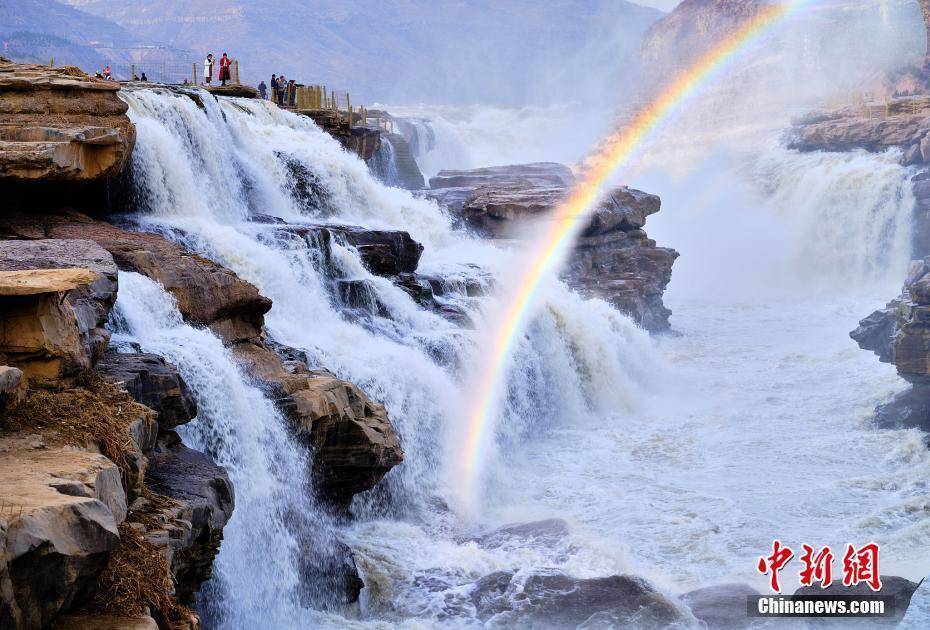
(277, 527)
(584, 379)
(204, 173)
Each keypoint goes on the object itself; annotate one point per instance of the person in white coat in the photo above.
(208, 69)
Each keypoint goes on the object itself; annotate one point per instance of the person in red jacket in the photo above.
(225, 63)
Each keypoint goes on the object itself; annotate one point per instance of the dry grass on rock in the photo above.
(137, 580)
(97, 413)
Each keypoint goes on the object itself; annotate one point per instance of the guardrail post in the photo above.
(349, 110)
(195, 73)
(236, 66)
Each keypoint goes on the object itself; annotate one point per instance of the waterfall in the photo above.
(209, 177)
(258, 576)
(383, 164)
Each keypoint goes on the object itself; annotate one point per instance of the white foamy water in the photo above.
(678, 458)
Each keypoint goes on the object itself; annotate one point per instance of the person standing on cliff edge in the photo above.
(262, 89)
(208, 69)
(225, 62)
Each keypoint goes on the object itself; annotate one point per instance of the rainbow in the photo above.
(567, 220)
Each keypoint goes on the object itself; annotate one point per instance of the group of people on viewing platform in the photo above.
(283, 91)
(225, 65)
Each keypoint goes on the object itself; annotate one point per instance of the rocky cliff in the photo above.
(899, 334)
(613, 258)
(691, 28)
(106, 518)
(59, 124)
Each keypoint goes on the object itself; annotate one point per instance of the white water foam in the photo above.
(652, 453)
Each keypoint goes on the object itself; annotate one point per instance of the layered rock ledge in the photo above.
(899, 334)
(207, 293)
(58, 124)
(613, 258)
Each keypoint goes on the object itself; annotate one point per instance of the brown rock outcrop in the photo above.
(613, 258)
(353, 441)
(207, 293)
(58, 524)
(907, 127)
(56, 296)
(59, 124)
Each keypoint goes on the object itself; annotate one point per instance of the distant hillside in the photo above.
(38, 30)
(452, 51)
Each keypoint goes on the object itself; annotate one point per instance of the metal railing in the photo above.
(165, 72)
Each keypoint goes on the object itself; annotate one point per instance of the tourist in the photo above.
(282, 86)
(262, 89)
(208, 69)
(274, 88)
(225, 62)
(106, 73)
(145, 78)
(292, 93)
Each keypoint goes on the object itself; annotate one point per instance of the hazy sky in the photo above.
(665, 5)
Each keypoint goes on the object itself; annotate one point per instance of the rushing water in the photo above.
(678, 458)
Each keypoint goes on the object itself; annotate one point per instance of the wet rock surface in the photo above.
(353, 440)
(556, 600)
(383, 252)
(189, 527)
(721, 606)
(207, 293)
(153, 382)
(58, 124)
(613, 258)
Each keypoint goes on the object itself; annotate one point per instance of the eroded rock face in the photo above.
(556, 600)
(56, 295)
(692, 28)
(58, 525)
(353, 440)
(900, 334)
(153, 382)
(189, 528)
(613, 258)
(60, 124)
(207, 293)
(12, 387)
(848, 129)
